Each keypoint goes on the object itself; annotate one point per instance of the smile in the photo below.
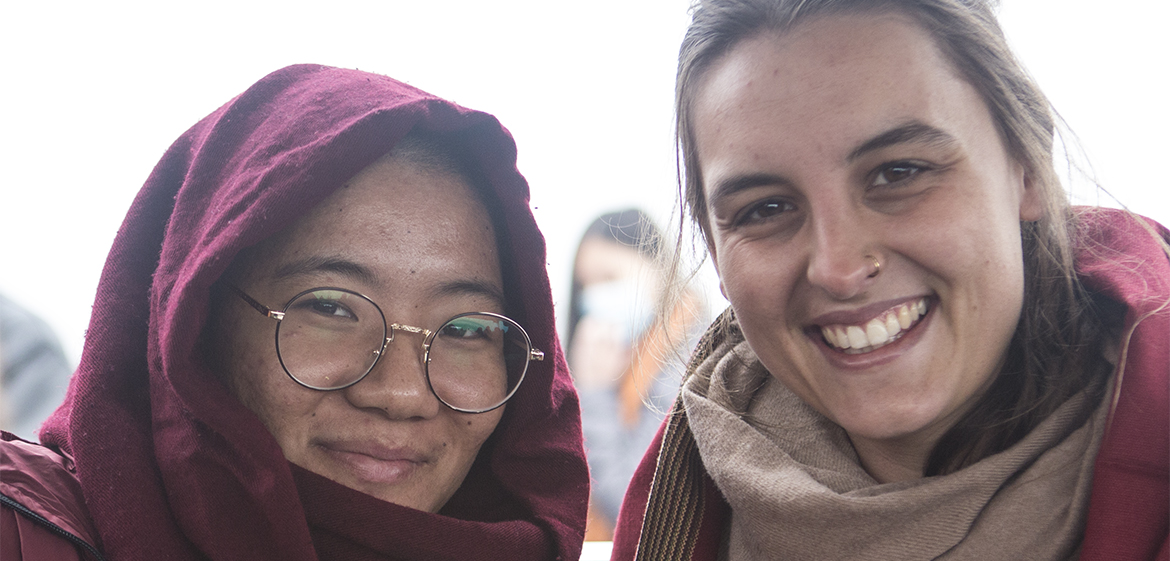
(887, 327)
(374, 463)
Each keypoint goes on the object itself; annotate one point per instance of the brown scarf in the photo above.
(797, 490)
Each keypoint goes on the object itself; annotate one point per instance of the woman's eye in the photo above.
(765, 210)
(472, 328)
(333, 309)
(460, 332)
(895, 173)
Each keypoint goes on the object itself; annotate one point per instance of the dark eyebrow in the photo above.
(733, 185)
(473, 287)
(911, 132)
(336, 265)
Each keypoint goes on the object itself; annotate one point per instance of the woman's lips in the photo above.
(877, 332)
(373, 462)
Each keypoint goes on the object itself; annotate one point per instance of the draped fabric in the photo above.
(797, 489)
(172, 466)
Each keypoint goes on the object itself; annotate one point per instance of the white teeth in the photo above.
(875, 330)
(830, 336)
(876, 333)
(857, 338)
(892, 325)
(904, 319)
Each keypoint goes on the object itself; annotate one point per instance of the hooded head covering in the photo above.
(172, 466)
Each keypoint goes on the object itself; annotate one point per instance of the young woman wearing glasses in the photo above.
(324, 331)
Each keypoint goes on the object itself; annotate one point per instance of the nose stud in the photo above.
(877, 267)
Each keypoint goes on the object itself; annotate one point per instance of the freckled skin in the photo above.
(414, 230)
(798, 107)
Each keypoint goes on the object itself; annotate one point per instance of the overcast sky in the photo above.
(94, 92)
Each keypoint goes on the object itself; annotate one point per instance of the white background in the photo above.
(93, 93)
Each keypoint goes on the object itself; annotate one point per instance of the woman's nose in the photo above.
(397, 385)
(840, 261)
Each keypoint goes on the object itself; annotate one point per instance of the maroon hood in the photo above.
(172, 466)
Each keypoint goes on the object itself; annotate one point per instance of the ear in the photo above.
(1031, 203)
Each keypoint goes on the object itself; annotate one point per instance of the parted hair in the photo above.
(1058, 348)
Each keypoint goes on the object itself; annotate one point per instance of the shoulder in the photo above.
(1122, 255)
(1119, 254)
(44, 512)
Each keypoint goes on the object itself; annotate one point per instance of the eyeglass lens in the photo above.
(330, 339)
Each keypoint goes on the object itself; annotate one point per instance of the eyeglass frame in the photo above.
(534, 354)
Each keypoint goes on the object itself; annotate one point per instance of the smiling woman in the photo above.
(899, 166)
(321, 334)
(928, 353)
(434, 263)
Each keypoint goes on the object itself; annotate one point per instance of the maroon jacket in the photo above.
(171, 466)
(1129, 509)
(44, 514)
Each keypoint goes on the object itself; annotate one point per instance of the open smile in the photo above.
(882, 330)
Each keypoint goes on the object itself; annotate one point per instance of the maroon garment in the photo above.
(41, 483)
(172, 466)
(1129, 509)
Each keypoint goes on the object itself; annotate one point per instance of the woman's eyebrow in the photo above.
(732, 185)
(471, 287)
(914, 131)
(318, 264)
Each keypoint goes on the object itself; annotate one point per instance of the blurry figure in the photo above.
(625, 359)
(34, 372)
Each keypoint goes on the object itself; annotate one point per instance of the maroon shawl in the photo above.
(172, 466)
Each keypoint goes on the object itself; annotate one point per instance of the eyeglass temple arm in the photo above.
(251, 302)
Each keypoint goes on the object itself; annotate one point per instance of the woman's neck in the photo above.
(891, 460)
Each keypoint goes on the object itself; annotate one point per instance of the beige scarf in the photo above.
(797, 490)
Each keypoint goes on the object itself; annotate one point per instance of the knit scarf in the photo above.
(797, 489)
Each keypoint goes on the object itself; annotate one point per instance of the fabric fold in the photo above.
(797, 489)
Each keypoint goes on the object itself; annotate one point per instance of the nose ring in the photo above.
(877, 267)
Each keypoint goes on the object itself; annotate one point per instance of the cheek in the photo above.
(755, 279)
(978, 227)
(985, 256)
(243, 368)
(253, 374)
(471, 431)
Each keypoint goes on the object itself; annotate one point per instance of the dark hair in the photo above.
(631, 228)
(1058, 347)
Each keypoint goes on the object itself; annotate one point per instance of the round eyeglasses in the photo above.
(330, 338)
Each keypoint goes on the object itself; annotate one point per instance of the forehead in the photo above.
(840, 77)
(394, 218)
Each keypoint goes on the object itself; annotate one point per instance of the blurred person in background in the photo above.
(34, 372)
(626, 357)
